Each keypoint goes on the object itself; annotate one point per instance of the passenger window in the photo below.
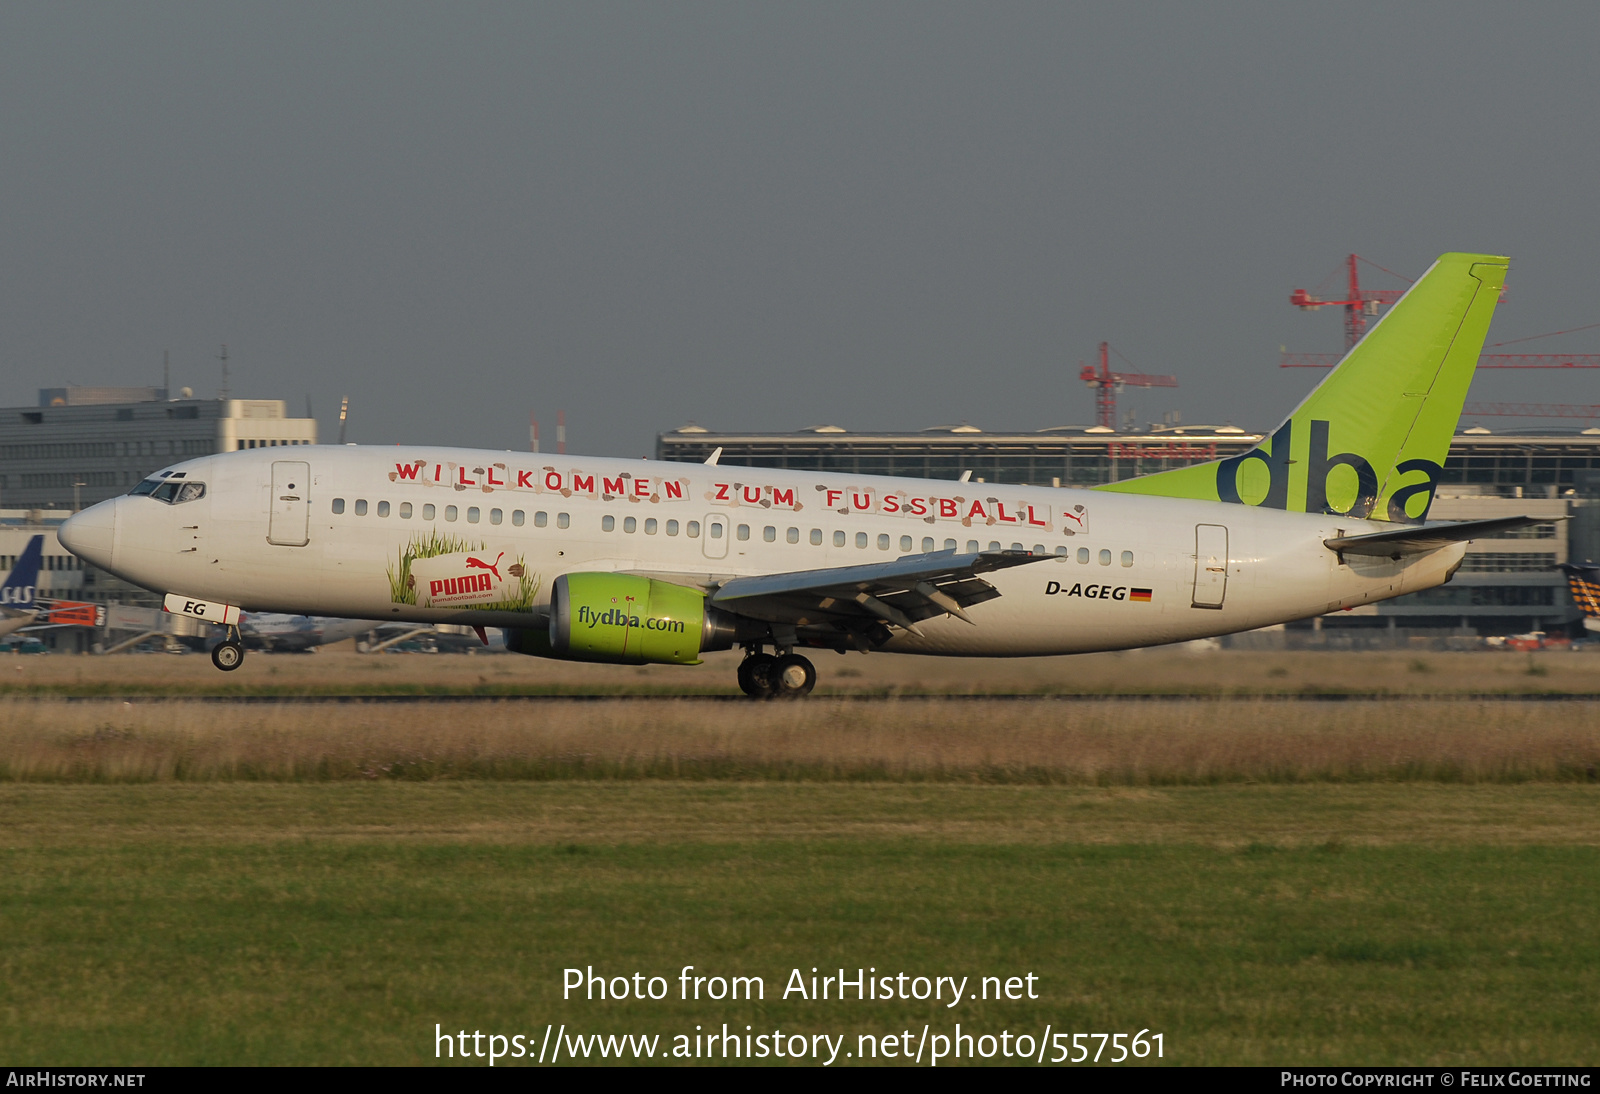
(672, 527)
(1127, 558)
(927, 544)
(1083, 556)
(994, 545)
(949, 545)
(1061, 550)
(838, 539)
(883, 543)
(972, 546)
(428, 511)
(861, 541)
(692, 529)
(905, 543)
(562, 520)
(338, 505)
(1038, 549)
(816, 537)
(1105, 558)
(743, 531)
(541, 519)
(472, 514)
(650, 526)
(405, 510)
(449, 512)
(383, 508)
(792, 535)
(770, 534)
(608, 523)
(361, 507)
(495, 516)
(716, 530)
(518, 517)
(630, 524)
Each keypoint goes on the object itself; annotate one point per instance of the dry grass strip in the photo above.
(1083, 743)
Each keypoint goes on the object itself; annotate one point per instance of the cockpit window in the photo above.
(172, 491)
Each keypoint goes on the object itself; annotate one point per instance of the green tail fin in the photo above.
(1371, 440)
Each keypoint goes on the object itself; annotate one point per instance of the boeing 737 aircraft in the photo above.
(639, 561)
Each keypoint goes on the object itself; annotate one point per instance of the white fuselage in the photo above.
(1207, 568)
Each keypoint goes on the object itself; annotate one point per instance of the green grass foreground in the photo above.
(229, 923)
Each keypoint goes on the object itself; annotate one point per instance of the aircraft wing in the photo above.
(900, 593)
(1416, 539)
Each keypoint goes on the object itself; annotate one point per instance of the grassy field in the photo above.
(338, 922)
(1182, 671)
(1261, 882)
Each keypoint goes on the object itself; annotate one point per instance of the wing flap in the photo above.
(902, 592)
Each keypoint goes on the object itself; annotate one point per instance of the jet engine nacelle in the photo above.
(629, 620)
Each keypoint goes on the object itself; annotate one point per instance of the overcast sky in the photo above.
(768, 216)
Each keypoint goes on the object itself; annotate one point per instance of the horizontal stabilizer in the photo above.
(1418, 539)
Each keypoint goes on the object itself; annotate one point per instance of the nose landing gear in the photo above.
(228, 654)
(763, 676)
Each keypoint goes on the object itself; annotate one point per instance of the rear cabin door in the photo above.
(291, 504)
(1210, 565)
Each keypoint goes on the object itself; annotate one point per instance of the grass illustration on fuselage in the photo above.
(402, 587)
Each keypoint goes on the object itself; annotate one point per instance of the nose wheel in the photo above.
(228, 654)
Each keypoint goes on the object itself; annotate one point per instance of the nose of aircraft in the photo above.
(92, 534)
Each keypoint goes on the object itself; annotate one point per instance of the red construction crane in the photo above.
(1529, 410)
(1358, 303)
(1107, 383)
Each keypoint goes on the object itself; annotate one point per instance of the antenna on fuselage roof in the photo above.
(344, 413)
(966, 476)
(711, 460)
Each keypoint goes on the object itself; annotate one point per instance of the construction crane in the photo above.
(1358, 304)
(1529, 410)
(1106, 384)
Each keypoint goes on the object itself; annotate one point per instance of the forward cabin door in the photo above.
(290, 517)
(714, 536)
(1210, 565)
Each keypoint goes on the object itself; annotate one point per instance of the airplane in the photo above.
(18, 596)
(632, 562)
(1583, 582)
(279, 632)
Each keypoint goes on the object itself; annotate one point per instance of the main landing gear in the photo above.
(788, 676)
(228, 654)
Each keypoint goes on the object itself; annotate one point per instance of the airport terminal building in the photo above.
(81, 445)
(1504, 585)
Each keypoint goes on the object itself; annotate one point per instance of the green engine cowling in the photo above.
(630, 620)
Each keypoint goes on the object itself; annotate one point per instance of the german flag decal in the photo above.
(1139, 594)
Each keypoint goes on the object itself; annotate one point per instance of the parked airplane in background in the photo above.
(277, 632)
(1583, 582)
(638, 561)
(18, 596)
